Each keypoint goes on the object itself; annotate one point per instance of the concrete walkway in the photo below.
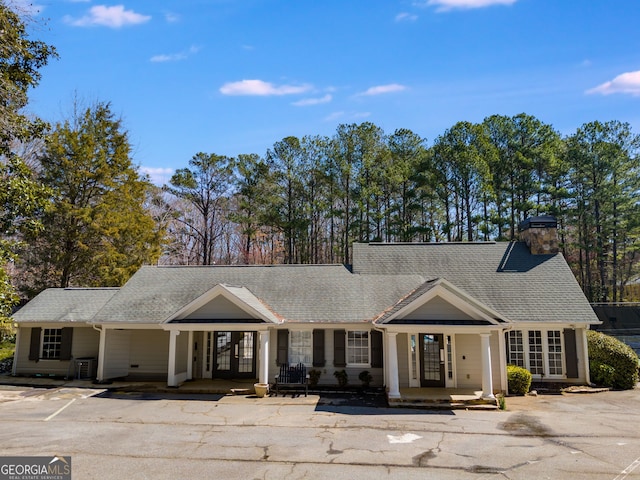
(425, 398)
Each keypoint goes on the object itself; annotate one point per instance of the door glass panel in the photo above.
(431, 357)
(223, 351)
(245, 352)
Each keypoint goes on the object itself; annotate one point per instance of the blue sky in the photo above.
(235, 76)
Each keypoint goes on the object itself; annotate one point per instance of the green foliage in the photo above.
(612, 363)
(7, 347)
(314, 377)
(365, 377)
(97, 229)
(502, 402)
(20, 196)
(601, 373)
(342, 377)
(518, 380)
(20, 62)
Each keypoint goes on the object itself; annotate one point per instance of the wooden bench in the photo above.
(292, 376)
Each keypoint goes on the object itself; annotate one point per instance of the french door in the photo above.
(432, 360)
(234, 355)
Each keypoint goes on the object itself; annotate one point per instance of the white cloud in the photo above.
(628, 82)
(174, 57)
(306, 102)
(171, 17)
(346, 116)
(406, 17)
(261, 88)
(158, 175)
(333, 116)
(446, 5)
(112, 17)
(382, 89)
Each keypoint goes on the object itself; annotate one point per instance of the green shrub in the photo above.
(518, 380)
(612, 363)
(314, 377)
(342, 377)
(365, 377)
(601, 373)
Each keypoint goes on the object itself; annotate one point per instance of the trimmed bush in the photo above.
(612, 363)
(518, 380)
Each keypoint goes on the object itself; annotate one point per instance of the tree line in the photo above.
(76, 211)
(306, 200)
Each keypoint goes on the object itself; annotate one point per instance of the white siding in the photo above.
(326, 376)
(403, 359)
(182, 345)
(150, 353)
(117, 345)
(437, 309)
(85, 343)
(495, 361)
(220, 308)
(468, 361)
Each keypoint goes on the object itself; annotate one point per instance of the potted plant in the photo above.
(366, 378)
(314, 377)
(342, 377)
(261, 389)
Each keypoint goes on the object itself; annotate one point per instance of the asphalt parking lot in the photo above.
(143, 435)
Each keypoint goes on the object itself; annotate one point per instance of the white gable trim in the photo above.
(454, 296)
(255, 309)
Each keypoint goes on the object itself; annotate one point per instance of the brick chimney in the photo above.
(540, 234)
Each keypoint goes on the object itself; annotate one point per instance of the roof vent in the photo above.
(540, 234)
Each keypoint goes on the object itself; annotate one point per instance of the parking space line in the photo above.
(628, 470)
(59, 410)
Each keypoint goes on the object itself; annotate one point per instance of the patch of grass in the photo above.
(7, 349)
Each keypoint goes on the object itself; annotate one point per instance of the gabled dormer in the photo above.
(225, 304)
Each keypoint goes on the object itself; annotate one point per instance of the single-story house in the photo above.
(445, 315)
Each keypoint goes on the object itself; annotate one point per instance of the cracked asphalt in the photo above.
(139, 436)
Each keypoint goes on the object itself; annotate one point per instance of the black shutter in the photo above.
(283, 347)
(339, 353)
(571, 353)
(376, 349)
(34, 349)
(318, 348)
(65, 343)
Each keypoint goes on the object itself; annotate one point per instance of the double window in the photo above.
(351, 348)
(538, 351)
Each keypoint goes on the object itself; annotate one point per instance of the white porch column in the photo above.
(190, 356)
(487, 377)
(172, 380)
(394, 383)
(101, 354)
(264, 357)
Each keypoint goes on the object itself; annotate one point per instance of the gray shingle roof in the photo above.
(297, 293)
(65, 305)
(502, 275)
